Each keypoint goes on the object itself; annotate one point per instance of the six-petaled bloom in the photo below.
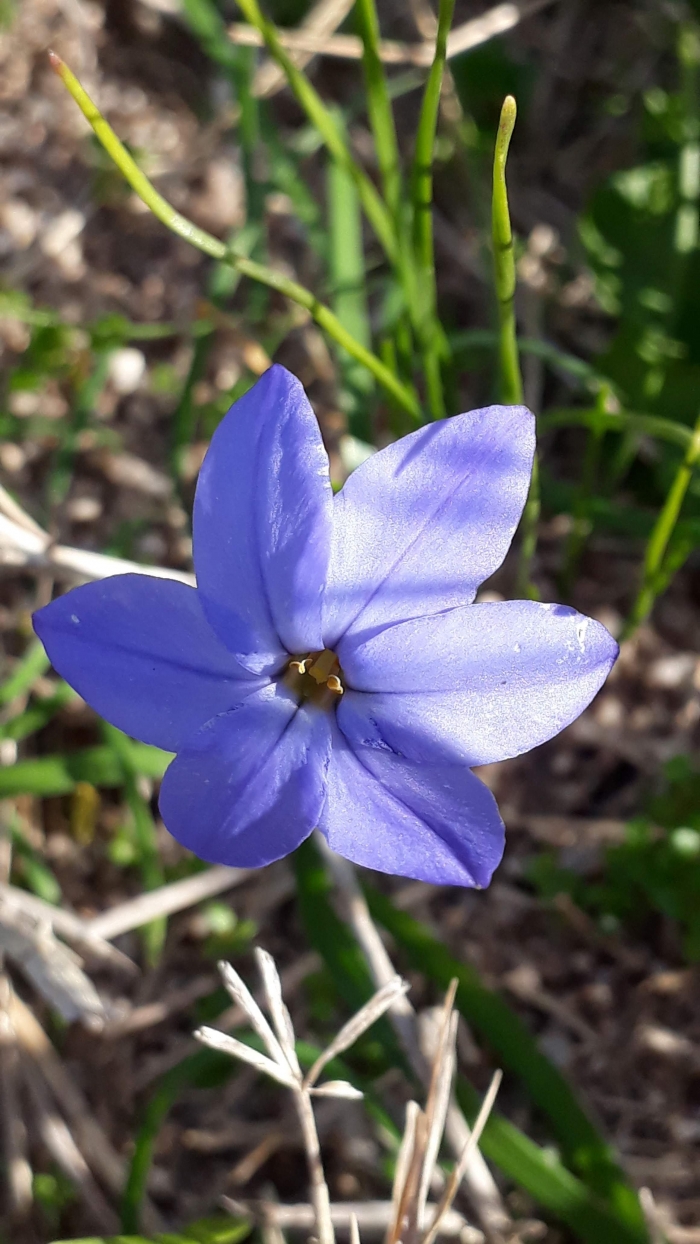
(330, 669)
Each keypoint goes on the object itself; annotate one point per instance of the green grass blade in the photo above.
(321, 117)
(37, 715)
(58, 774)
(653, 577)
(349, 293)
(33, 663)
(583, 1147)
(422, 200)
(209, 245)
(381, 115)
(511, 384)
(145, 835)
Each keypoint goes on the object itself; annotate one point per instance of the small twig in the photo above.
(373, 1217)
(307, 41)
(94, 1144)
(165, 901)
(18, 1172)
(21, 548)
(66, 1154)
(320, 23)
(71, 927)
(53, 969)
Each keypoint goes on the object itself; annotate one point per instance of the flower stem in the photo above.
(511, 384)
(659, 540)
(217, 249)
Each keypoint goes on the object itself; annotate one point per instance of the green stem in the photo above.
(32, 665)
(511, 383)
(322, 119)
(422, 197)
(212, 246)
(661, 535)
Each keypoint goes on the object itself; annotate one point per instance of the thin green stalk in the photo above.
(32, 665)
(145, 836)
(656, 550)
(324, 317)
(379, 108)
(317, 112)
(422, 199)
(511, 383)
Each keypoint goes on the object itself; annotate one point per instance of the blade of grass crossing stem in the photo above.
(349, 298)
(320, 116)
(404, 395)
(656, 550)
(511, 384)
(540, 1173)
(145, 834)
(582, 1145)
(33, 663)
(422, 201)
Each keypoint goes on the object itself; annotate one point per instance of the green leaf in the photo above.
(207, 1231)
(59, 773)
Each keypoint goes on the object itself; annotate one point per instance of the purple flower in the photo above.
(331, 669)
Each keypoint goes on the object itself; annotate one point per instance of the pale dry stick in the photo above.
(70, 927)
(65, 1153)
(322, 22)
(54, 970)
(479, 1181)
(92, 1140)
(281, 1064)
(373, 1217)
(18, 1172)
(165, 901)
(21, 548)
(479, 30)
(233, 1017)
(457, 1174)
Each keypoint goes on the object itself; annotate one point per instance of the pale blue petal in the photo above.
(421, 524)
(249, 787)
(483, 683)
(142, 654)
(437, 823)
(262, 524)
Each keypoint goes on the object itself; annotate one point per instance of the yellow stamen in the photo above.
(323, 666)
(334, 684)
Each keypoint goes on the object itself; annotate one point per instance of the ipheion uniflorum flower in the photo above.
(330, 669)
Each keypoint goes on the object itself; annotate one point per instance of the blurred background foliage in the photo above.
(122, 350)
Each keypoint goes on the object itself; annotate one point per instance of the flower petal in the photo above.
(262, 523)
(483, 683)
(421, 524)
(141, 652)
(436, 823)
(249, 787)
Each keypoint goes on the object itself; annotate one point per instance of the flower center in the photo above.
(316, 677)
